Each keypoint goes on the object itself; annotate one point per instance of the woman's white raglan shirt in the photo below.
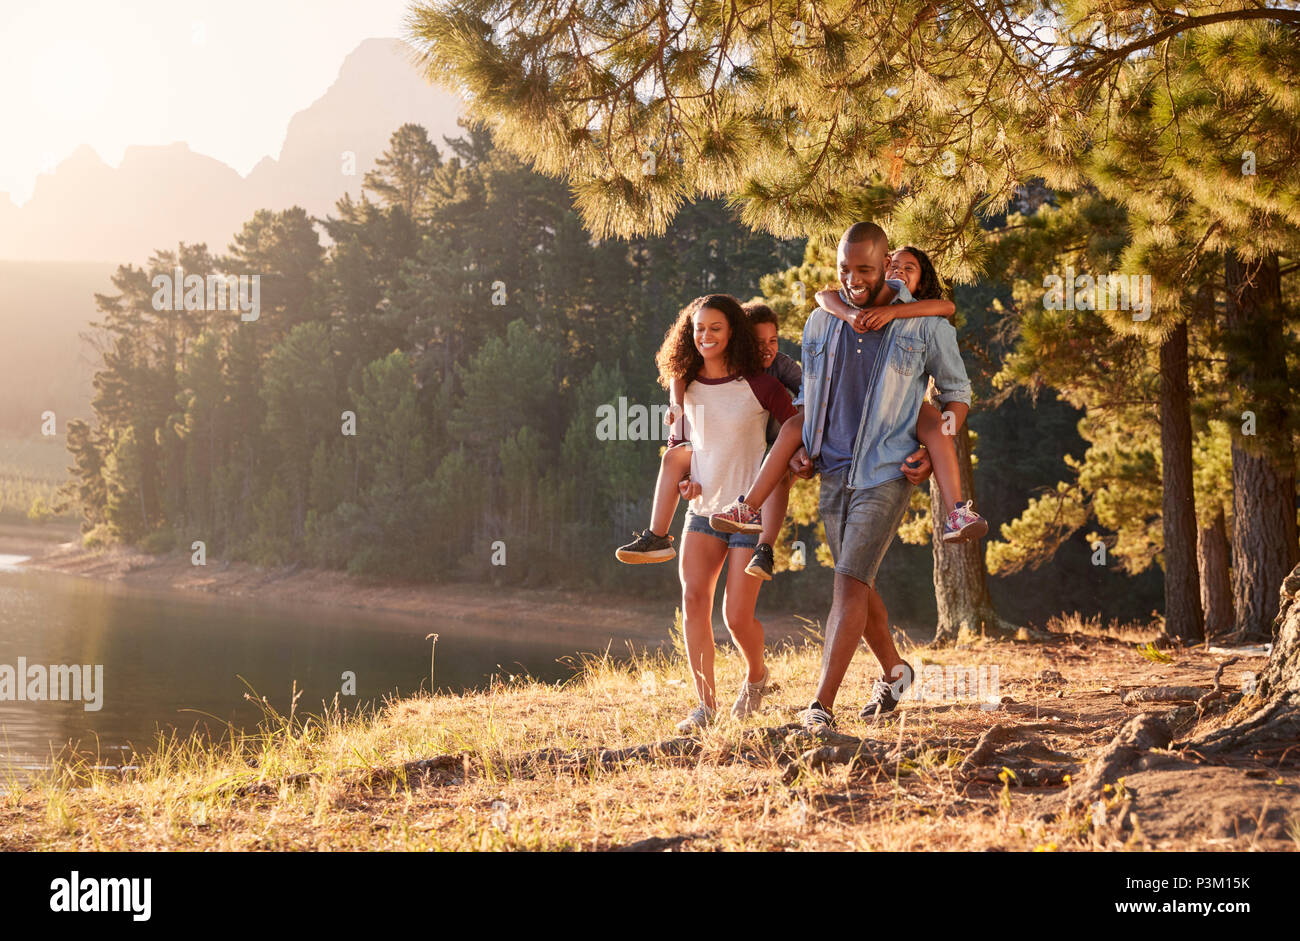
(727, 419)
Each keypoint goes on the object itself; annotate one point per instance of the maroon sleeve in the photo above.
(772, 396)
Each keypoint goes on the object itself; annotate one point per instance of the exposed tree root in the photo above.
(1023, 777)
(1217, 692)
(669, 749)
(1136, 737)
(1164, 694)
(1270, 728)
(370, 778)
(657, 844)
(882, 757)
(994, 738)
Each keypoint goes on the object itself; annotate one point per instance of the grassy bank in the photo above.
(527, 765)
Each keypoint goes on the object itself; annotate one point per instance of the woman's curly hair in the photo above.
(679, 359)
(930, 288)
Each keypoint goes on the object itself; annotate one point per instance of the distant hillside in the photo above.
(43, 362)
(87, 210)
(86, 218)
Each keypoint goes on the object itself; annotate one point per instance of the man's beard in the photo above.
(873, 291)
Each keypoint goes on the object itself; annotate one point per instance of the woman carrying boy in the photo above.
(728, 402)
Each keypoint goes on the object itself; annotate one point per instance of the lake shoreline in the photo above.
(559, 611)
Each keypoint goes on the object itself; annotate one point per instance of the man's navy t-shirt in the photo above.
(848, 390)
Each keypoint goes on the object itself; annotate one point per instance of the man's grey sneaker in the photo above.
(646, 547)
(816, 717)
(963, 524)
(700, 717)
(885, 695)
(760, 566)
(751, 697)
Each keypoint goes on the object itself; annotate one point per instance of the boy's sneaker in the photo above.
(646, 547)
(884, 698)
(700, 717)
(751, 697)
(816, 717)
(964, 524)
(760, 566)
(738, 518)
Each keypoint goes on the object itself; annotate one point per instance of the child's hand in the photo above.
(688, 488)
(916, 467)
(877, 318)
(861, 320)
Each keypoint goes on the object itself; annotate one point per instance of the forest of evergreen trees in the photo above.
(418, 397)
(467, 322)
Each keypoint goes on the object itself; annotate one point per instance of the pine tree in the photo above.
(298, 387)
(1200, 153)
(785, 106)
(404, 172)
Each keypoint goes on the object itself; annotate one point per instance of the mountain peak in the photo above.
(84, 157)
(164, 193)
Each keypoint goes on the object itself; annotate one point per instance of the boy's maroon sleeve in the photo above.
(772, 395)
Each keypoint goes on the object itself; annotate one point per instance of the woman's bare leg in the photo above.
(673, 466)
(699, 564)
(738, 601)
(943, 455)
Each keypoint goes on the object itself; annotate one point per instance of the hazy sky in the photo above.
(223, 75)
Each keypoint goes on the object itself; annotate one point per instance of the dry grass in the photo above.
(501, 789)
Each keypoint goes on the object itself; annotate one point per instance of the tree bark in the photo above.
(1264, 547)
(1216, 583)
(1183, 616)
(960, 578)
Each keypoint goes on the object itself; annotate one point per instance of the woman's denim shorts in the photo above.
(700, 524)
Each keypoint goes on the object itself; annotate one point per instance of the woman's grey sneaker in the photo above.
(751, 697)
(816, 717)
(646, 547)
(700, 717)
(885, 695)
(760, 566)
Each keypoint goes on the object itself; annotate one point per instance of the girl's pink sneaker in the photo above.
(964, 524)
(738, 518)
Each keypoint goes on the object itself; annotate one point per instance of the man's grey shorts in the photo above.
(860, 524)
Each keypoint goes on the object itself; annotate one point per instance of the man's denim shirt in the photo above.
(911, 350)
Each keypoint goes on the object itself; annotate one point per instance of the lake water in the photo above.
(172, 661)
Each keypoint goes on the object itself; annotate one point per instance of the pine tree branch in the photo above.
(1109, 57)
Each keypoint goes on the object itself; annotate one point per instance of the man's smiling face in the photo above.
(862, 270)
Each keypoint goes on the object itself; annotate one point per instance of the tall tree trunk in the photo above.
(1264, 547)
(1183, 618)
(960, 577)
(1216, 585)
